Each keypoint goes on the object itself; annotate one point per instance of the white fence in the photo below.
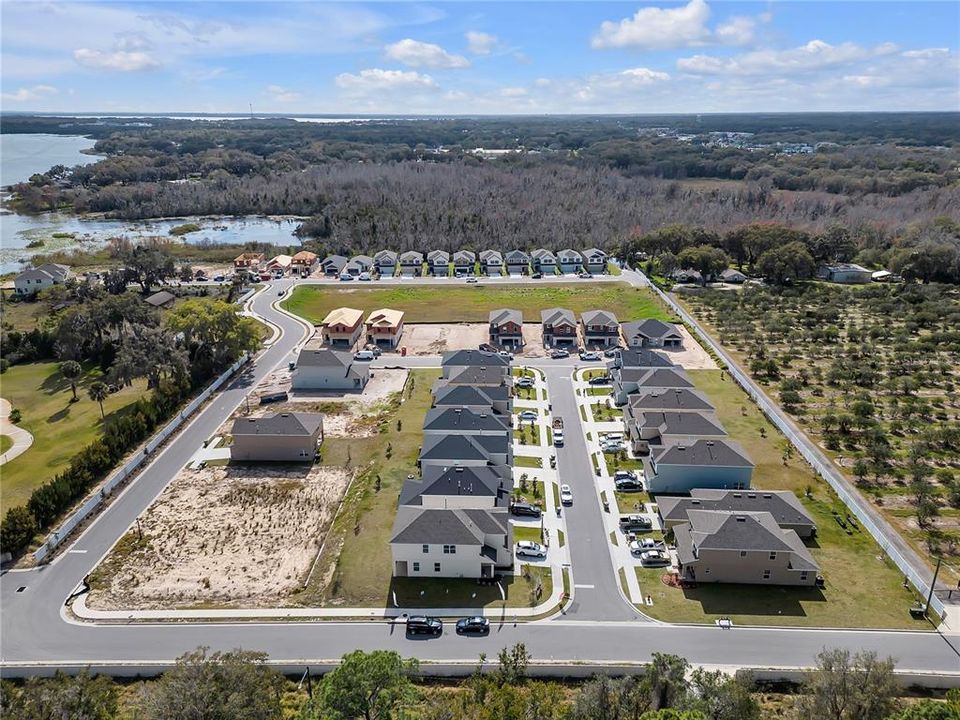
(93, 502)
(817, 461)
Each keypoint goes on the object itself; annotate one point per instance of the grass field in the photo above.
(863, 589)
(59, 428)
(423, 303)
(6, 442)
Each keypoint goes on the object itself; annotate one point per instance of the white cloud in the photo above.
(480, 43)
(927, 53)
(813, 56)
(736, 31)
(280, 94)
(513, 92)
(643, 76)
(654, 28)
(28, 94)
(414, 53)
(116, 61)
(379, 79)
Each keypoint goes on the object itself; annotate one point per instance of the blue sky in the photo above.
(468, 57)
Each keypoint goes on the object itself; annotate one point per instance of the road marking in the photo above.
(76, 552)
(585, 587)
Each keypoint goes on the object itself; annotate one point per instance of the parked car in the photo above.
(424, 625)
(558, 438)
(585, 275)
(557, 353)
(528, 548)
(624, 475)
(364, 355)
(487, 347)
(529, 415)
(537, 275)
(458, 274)
(525, 382)
(635, 522)
(365, 276)
(612, 447)
(476, 625)
(589, 356)
(526, 509)
(566, 495)
(628, 485)
(218, 278)
(654, 558)
(346, 277)
(471, 280)
(639, 547)
(611, 352)
(506, 354)
(600, 380)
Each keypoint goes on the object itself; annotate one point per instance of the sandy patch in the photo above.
(243, 535)
(533, 340)
(436, 338)
(692, 356)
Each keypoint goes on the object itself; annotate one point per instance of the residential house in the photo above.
(650, 430)
(280, 437)
(639, 358)
(506, 328)
(544, 261)
(279, 264)
(248, 261)
(342, 328)
(385, 328)
(304, 262)
(386, 263)
(467, 450)
(491, 263)
(600, 327)
(652, 333)
(456, 543)
(325, 369)
(785, 508)
(455, 359)
(359, 264)
(688, 275)
(411, 264)
(680, 399)
(492, 399)
(681, 465)
(847, 273)
(464, 421)
(741, 547)
(161, 299)
(333, 265)
(518, 262)
(732, 276)
(39, 278)
(569, 261)
(559, 327)
(439, 263)
(595, 260)
(458, 487)
(630, 380)
(478, 376)
(464, 262)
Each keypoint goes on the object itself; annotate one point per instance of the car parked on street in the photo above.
(476, 625)
(537, 275)
(365, 277)
(526, 509)
(589, 355)
(364, 355)
(528, 548)
(345, 277)
(424, 625)
(471, 280)
(566, 495)
(506, 354)
(585, 275)
(558, 353)
(654, 558)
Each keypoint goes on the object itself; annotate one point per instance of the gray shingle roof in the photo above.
(462, 420)
(718, 530)
(703, 453)
(488, 256)
(334, 360)
(279, 424)
(464, 256)
(456, 481)
(568, 256)
(480, 376)
(598, 317)
(455, 448)
(543, 254)
(464, 395)
(441, 256)
(679, 423)
(642, 358)
(415, 526)
(594, 254)
(557, 316)
(159, 299)
(474, 357)
(515, 257)
(656, 378)
(337, 262)
(411, 257)
(505, 315)
(650, 328)
(782, 505)
(669, 399)
(385, 256)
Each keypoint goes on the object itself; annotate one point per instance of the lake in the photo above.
(24, 155)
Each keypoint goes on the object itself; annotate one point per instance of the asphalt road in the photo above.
(35, 633)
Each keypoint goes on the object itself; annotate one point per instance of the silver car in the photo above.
(528, 548)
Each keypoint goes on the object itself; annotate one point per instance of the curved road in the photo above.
(35, 634)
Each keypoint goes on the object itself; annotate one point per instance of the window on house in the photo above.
(743, 553)
(426, 549)
(416, 567)
(773, 556)
(449, 549)
(803, 575)
(766, 574)
(436, 567)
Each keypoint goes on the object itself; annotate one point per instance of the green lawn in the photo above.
(6, 442)
(59, 428)
(527, 434)
(599, 391)
(423, 303)
(456, 593)
(862, 588)
(529, 462)
(526, 533)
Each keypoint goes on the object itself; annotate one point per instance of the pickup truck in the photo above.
(635, 522)
(558, 432)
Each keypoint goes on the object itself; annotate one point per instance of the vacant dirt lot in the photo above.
(433, 339)
(233, 536)
(691, 356)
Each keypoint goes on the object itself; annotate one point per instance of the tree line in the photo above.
(381, 685)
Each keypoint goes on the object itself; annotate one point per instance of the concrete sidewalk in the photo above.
(22, 440)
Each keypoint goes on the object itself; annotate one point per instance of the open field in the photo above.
(240, 535)
(6, 442)
(870, 374)
(425, 304)
(59, 428)
(863, 589)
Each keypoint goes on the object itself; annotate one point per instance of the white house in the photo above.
(39, 278)
(329, 370)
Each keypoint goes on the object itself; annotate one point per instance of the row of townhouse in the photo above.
(724, 531)
(596, 328)
(344, 327)
(387, 263)
(453, 517)
(300, 264)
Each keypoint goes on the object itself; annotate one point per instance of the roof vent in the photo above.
(458, 468)
(458, 410)
(738, 495)
(741, 518)
(709, 443)
(752, 496)
(694, 502)
(767, 496)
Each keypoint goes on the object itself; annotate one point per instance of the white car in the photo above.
(611, 447)
(528, 548)
(506, 354)
(365, 276)
(639, 547)
(525, 382)
(566, 495)
(471, 280)
(557, 354)
(654, 558)
(529, 415)
(558, 438)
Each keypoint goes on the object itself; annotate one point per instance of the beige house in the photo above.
(342, 327)
(248, 261)
(280, 264)
(304, 262)
(281, 437)
(385, 328)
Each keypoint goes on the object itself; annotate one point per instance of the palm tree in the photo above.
(98, 392)
(71, 371)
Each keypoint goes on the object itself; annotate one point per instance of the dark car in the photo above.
(628, 485)
(600, 380)
(526, 509)
(635, 522)
(537, 275)
(423, 625)
(473, 626)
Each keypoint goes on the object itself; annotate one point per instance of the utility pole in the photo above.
(933, 584)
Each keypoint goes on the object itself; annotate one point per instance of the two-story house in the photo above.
(493, 399)
(457, 487)
(506, 327)
(359, 264)
(569, 261)
(250, 261)
(595, 260)
(303, 263)
(438, 261)
(454, 359)
(600, 328)
(342, 328)
(411, 264)
(651, 333)
(386, 263)
(467, 450)
(639, 358)
(491, 263)
(464, 262)
(679, 466)
(633, 379)
(649, 430)
(785, 508)
(518, 262)
(544, 261)
(559, 327)
(385, 328)
(39, 278)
